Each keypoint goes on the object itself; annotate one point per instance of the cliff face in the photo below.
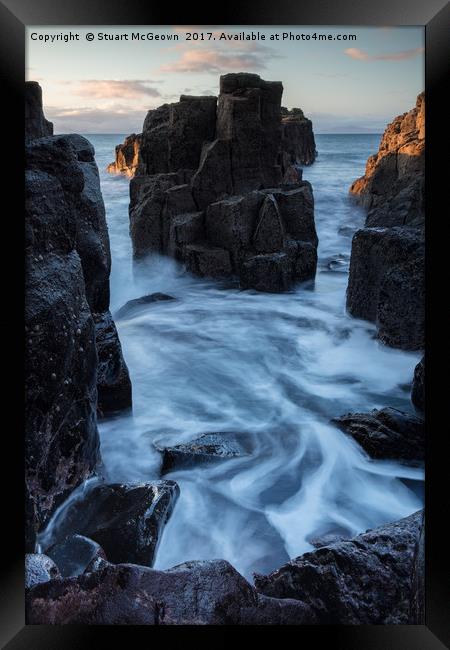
(392, 189)
(67, 300)
(127, 154)
(387, 267)
(208, 191)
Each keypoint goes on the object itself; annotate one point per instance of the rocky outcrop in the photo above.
(126, 158)
(418, 386)
(67, 287)
(194, 593)
(387, 284)
(206, 449)
(417, 606)
(386, 433)
(36, 126)
(208, 191)
(363, 581)
(124, 519)
(298, 145)
(393, 186)
(39, 568)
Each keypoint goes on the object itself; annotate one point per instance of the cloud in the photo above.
(110, 88)
(360, 55)
(115, 119)
(200, 60)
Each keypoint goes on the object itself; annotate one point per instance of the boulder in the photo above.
(39, 568)
(113, 380)
(207, 449)
(363, 581)
(127, 155)
(126, 520)
(134, 306)
(386, 433)
(194, 593)
(418, 386)
(36, 126)
(74, 553)
(386, 283)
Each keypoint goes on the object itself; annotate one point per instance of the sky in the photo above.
(107, 86)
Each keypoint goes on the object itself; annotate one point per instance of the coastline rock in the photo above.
(126, 520)
(39, 568)
(393, 186)
(74, 553)
(36, 126)
(418, 387)
(387, 285)
(417, 609)
(363, 581)
(194, 593)
(132, 306)
(297, 139)
(386, 433)
(221, 210)
(206, 449)
(126, 156)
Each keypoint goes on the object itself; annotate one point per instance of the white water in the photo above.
(275, 366)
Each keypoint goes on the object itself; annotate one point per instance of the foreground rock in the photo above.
(393, 186)
(387, 284)
(74, 554)
(386, 433)
(207, 449)
(364, 581)
(418, 387)
(126, 158)
(39, 568)
(67, 291)
(194, 593)
(208, 191)
(125, 520)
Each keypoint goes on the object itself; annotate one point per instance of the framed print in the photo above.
(222, 318)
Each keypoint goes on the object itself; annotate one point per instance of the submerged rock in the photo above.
(363, 581)
(194, 593)
(418, 387)
(208, 448)
(39, 568)
(126, 520)
(74, 553)
(386, 433)
(132, 306)
(126, 158)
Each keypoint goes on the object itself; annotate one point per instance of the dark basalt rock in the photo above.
(386, 283)
(127, 155)
(386, 433)
(126, 520)
(364, 581)
(74, 554)
(417, 608)
(133, 306)
(194, 593)
(36, 126)
(418, 387)
(297, 140)
(208, 448)
(39, 568)
(113, 380)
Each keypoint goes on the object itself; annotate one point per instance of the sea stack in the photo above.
(208, 188)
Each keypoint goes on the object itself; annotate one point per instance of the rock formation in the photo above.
(126, 159)
(297, 139)
(208, 191)
(36, 126)
(418, 386)
(387, 267)
(67, 292)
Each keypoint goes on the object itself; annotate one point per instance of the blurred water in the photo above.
(277, 367)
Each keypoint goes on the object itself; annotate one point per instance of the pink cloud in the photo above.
(215, 61)
(360, 55)
(110, 88)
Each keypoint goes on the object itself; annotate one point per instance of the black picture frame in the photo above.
(14, 16)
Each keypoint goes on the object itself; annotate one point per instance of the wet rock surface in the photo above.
(206, 449)
(194, 593)
(134, 306)
(124, 519)
(39, 568)
(366, 580)
(220, 206)
(386, 433)
(74, 553)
